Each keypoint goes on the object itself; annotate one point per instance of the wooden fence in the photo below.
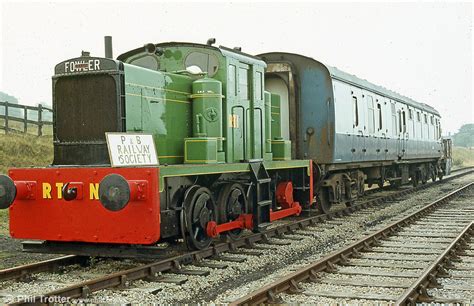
(23, 115)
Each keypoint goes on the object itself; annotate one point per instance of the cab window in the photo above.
(207, 62)
(147, 61)
(244, 92)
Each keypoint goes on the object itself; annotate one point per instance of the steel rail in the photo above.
(150, 271)
(268, 293)
(22, 272)
(417, 291)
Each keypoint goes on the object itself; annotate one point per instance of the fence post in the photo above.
(25, 117)
(6, 117)
(40, 120)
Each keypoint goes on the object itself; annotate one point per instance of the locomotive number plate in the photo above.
(131, 150)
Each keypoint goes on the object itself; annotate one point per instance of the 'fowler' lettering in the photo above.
(82, 66)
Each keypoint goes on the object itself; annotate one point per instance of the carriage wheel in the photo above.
(433, 175)
(324, 205)
(199, 209)
(361, 188)
(381, 182)
(424, 178)
(231, 203)
(415, 179)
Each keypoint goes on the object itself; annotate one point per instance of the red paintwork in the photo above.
(284, 194)
(25, 190)
(244, 221)
(138, 190)
(85, 219)
(283, 213)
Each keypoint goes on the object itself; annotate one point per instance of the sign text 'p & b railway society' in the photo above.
(128, 150)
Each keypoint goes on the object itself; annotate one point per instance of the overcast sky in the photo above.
(421, 50)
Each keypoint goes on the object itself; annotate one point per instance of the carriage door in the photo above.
(404, 133)
(357, 124)
(401, 134)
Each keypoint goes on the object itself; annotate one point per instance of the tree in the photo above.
(465, 136)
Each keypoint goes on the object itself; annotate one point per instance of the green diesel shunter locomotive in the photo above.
(223, 164)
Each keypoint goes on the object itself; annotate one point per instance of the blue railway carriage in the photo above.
(357, 133)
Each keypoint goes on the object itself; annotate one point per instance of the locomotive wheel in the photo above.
(440, 175)
(231, 203)
(433, 175)
(324, 205)
(199, 208)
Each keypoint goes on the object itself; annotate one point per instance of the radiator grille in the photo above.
(85, 108)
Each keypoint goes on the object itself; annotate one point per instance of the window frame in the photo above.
(355, 111)
(247, 85)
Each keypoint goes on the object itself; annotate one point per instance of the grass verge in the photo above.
(463, 157)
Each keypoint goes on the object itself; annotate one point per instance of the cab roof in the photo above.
(242, 56)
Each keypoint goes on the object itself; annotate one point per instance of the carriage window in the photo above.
(370, 105)
(399, 114)
(410, 114)
(394, 120)
(404, 122)
(231, 84)
(207, 62)
(432, 120)
(379, 109)
(418, 116)
(244, 83)
(439, 129)
(355, 111)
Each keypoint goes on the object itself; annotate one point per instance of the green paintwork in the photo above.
(220, 116)
(276, 116)
(157, 103)
(203, 169)
(268, 123)
(281, 149)
(201, 150)
(207, 120)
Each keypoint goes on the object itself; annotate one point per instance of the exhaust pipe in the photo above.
(108, 46)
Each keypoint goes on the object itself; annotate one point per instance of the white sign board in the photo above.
(131, 150)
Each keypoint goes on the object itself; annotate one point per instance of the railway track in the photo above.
(398, 263)
(252, 245)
